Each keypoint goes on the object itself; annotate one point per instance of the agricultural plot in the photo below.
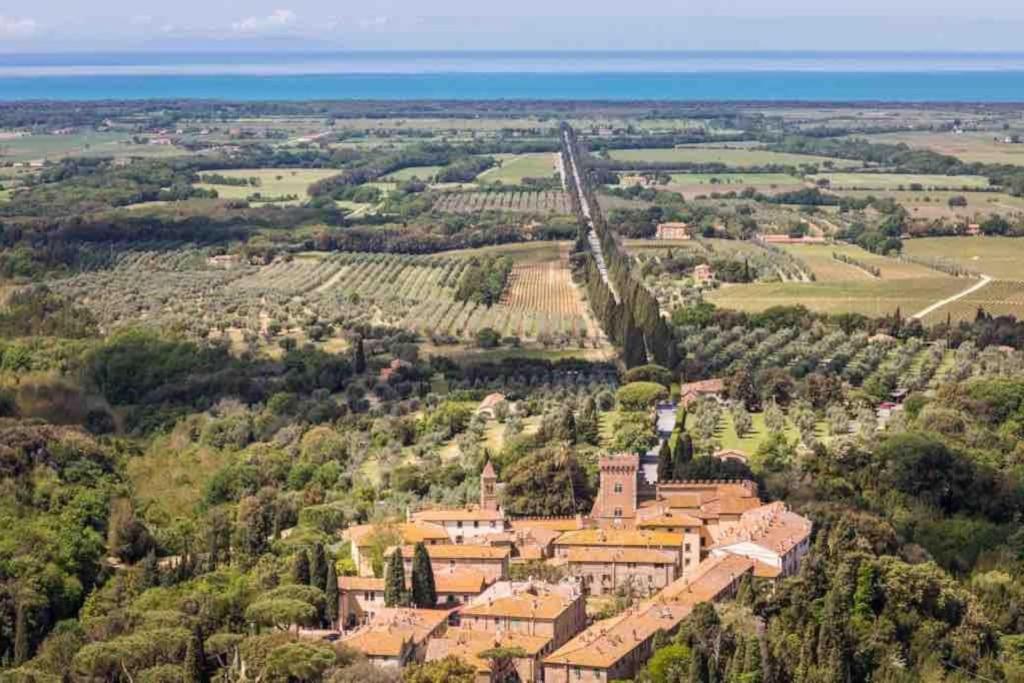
(732, 156)
(934, 204)
(541, 202)
(828, 269)
(512, 170)
(1002, 297)
(270, 183)
(316, 297)
(998, 257)
(48, 147)
(876, 297)
(902, 181)
(424, 173)
(984, 147)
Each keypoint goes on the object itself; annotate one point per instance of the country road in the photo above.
(985, 279)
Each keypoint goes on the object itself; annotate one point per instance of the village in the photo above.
(666, 545)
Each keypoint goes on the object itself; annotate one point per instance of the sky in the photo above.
(915, 25)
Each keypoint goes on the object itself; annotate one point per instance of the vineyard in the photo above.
(1001, 297)
(540, 202)
(319, 297)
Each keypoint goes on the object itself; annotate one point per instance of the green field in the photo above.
(998, 257)
(897, 181)
(827, 269)
(273, 182)
(92, 143)
(985, 147)
(514, 168)
(733, 157)
(1000, 297)
(874, 297)
(420, 172)
(734, 179)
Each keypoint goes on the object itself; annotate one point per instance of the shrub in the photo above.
(641, 395)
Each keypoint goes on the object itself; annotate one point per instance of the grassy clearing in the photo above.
(172, 480)
(749, 442)
(520, 252)
(733, 157)
(999, 257)
(827, 269)
(274, 182)
(742, 179)
(876, 297)
(514, 169)
(424, 173)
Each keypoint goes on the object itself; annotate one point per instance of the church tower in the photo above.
(488, 488)
(617, 497)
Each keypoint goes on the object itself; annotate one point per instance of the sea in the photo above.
(594, 75)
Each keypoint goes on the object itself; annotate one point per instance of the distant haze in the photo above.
(868, 25)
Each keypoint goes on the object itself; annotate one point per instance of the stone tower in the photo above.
(488, 488)
(616, 499)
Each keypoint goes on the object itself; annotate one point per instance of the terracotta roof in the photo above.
(531, 551)
(763, 570)
(522, 606)
(411, 532)
(669, 519)
(459, 580)
(470, 514)
(552, 523)
(620, 555)
(392, 627)
(621, 537)
(610, 640)
(488, 471)
(704, 386)
(467, 645)
(360, 583)
(459, 552)
(708, 580)
(770, 526)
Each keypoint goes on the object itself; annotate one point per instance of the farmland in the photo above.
(724, 155)
(541, 202)
(901, 181)
(424, 173)
(987, 147)
(876, 297)
(512, 170)
(46, 146)
(998, 257)
(270, 183)
(826, 268)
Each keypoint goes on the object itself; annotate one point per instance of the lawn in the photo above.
(900, 181)
(999, 257)
(274, 182)
(733, 157)
(513, 169)
(875, 297)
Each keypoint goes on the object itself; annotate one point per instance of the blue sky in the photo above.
(939, 25)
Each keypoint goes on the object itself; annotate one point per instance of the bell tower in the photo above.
(488, 488)
(616, 499)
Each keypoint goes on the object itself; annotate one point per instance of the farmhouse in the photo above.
(692, 391)
(703, 274)
(488, 407)
(673, 231)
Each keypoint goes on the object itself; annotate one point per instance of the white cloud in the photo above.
(142, 20)
(17, 28)
(372, 22)
(278, 20)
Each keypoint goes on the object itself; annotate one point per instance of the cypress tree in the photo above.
(567, 426)
(300, 568)
(664, 461)
(587, 428)
(318, 568)
(752, 661)
(424, 593)
(195, 659)
(332, 595)
(21, 650)
(682, 456)
(150, 570)
(394, 581)
(359, 358)
(735, 667)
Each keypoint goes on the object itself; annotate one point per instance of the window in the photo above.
(618, 487)
(606, 578)
(618, 512)
(686, 547)
(458, 524)
(687, 562)
(577, 674)
(476, 524)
